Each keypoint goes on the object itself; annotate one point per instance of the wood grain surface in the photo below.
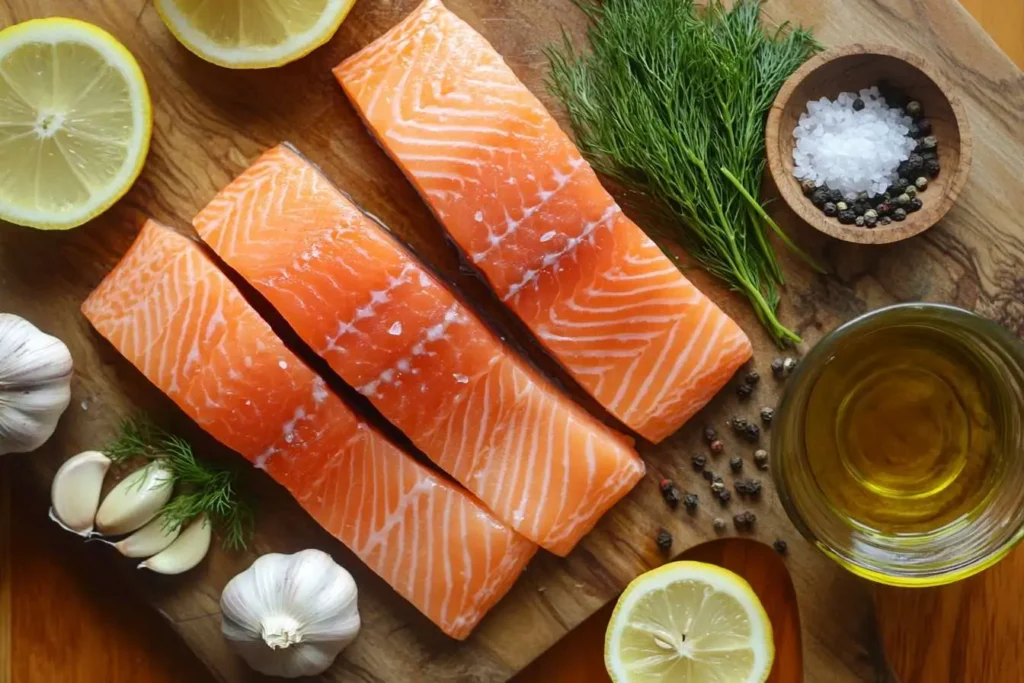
(209, 123)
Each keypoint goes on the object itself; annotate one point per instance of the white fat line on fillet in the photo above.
(552, 260)
(383, 527)
(597, 293)
(509, 452)
(449, 144)
(694, 381)
(567, 470)
(548, 466)
(583, 511)
(612, 323)
(526, 461)
(702, 363)
(672, 302)
(441, 159)
(403, 80)
(446, 557)
(626, 384)
(618, 275)
(368, 309)
(586, 339)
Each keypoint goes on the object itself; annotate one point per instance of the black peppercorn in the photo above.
(899, 186)
(699, 461)
(835, 196)
(719, 524)
(830, 209)
(915, 205)
(932, 167)
(744, 390)
(808, 186)
(717, 446)
(754, 487)
(741, 487)
(664, 541)
(915, 163)
(858, 104)
(924, 126)
(899, 215)
(903, 169)
(710, 434)
(767, 415)
(752, 433)
(780, 546)
(930, 154)
(738, 424)
(670, 492)
(724, 496)
(690, 501)
(914, 109)
(789, 365)
(877, 199)
(819, 198)
(777, 367)
(752, 378)
(708, 474)
(761, 459)
(744, 521)
(718, 480)
(884, 220)
(870, 221)
(860, 208)
(847, 217)
(736, 463)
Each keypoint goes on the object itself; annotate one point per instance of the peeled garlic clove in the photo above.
(75, 491)
(135, 500)
(150, 539)
(185, 552)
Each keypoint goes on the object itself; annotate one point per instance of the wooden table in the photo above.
(71, 624)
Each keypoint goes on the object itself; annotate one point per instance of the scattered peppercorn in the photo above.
(914, 109)
(819, 198)
(744, 521)
(789, 365)
(664, 541)
(899, 215)
(932, 167)
(736, 463)
(767, 415)
(699, 461)
(777, 367)
(708, 474)
(718, 480)
(717, 486)
(738, 424)
(761, 459)
(884, 220)
(724, 496)
(752, 433)
(808, 186)
(780, 546)
(670, 492)
(921, 184)
(719, 524)
(915, 205)
(752, 378)
(744, 390)
(858, 104)
(690, 501)
(717, 446)
(830, 210)
(859, 221)
(847, 217)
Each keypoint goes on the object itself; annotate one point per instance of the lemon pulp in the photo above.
(75, 122)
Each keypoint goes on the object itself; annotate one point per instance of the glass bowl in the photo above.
(970, 543)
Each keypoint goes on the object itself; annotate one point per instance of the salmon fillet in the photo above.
(176, 317)
(401, 338)
(530, 214)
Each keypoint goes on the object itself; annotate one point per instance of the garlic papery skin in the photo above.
(290, 615)
(150, 539)
(135, 500)
(35, 384)
(185, 552)
(75, 491)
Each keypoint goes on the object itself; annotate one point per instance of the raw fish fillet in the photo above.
(527, 211)
(399, 336)
(179, 320)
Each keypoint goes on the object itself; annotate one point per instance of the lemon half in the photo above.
(253, 34)
(75, 122)
(689, 622)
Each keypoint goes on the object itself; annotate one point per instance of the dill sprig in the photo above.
(671, 102)
(201, 488)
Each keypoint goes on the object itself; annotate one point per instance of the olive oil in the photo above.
(903, 430)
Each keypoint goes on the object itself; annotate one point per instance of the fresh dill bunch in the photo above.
(671, 102)
(202, 488)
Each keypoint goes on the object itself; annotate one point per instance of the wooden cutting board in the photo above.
(210, 122)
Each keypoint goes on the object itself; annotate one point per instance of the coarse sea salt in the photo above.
(852, 151)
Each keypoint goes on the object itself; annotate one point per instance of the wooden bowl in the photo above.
(849, 69)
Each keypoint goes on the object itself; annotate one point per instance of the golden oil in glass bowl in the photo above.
(898, 447)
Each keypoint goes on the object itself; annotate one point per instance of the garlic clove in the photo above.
(150, 539)
(35, 384)
(185, 552)
(135, 500)
(75, 491)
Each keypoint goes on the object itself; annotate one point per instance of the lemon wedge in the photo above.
(689, 622)
(75, 122)
(252, 34)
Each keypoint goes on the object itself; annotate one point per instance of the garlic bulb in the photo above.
(35, 384)
(290, 615)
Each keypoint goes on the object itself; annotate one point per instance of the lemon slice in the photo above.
(75, 122)
(253, 34)
(689, 622)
